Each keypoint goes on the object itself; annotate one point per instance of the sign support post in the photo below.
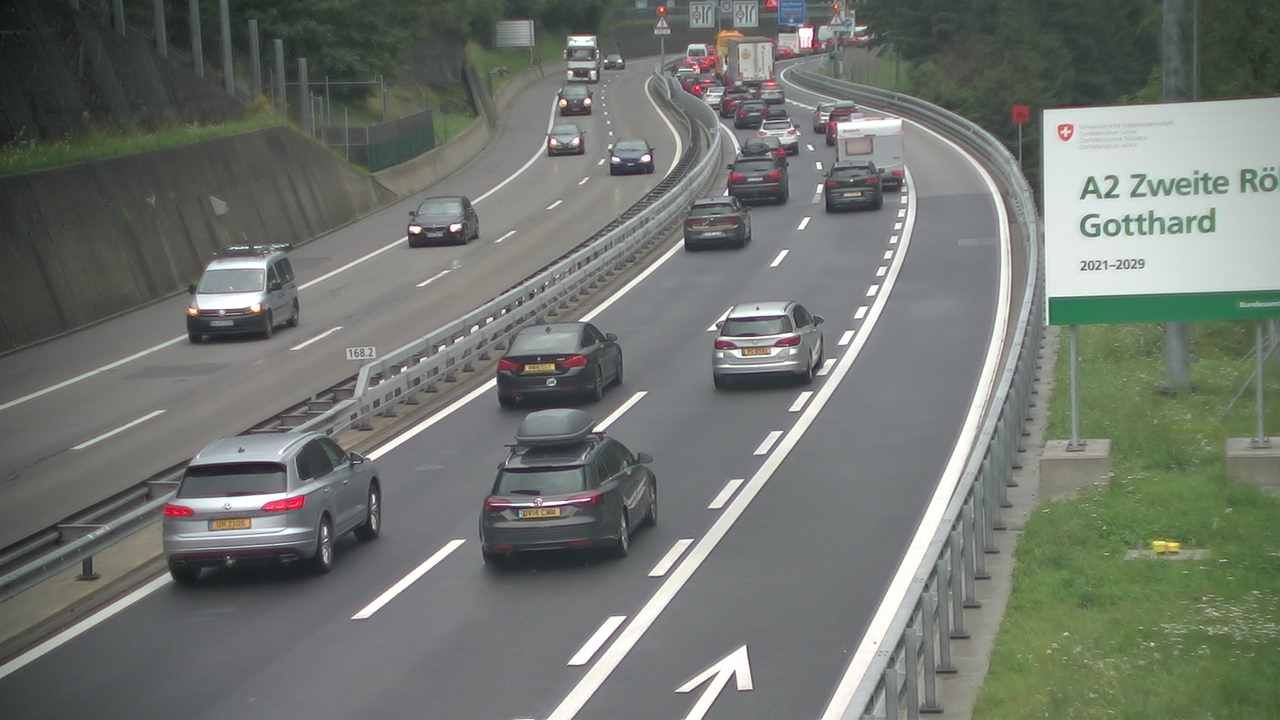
(1260, 439)
(1075, 444)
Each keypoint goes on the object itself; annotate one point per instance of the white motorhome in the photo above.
(583, 55)
(877, 139)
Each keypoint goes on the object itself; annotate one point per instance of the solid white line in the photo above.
(803, 398)
(713, 327)
(804, 223)
(117, 431)
(403, 583)
(737, 147)
(902, 212)
(353, 263)
(880, 271)
(317, 338)
(671, 557)
(810, 148)
(435, 277)
(91, 373)
(860, 313)
(893, 239)
(81, 627)
(448, 410)
(871, 291)
(767, 443)
(539, 154)
(888, 254)
(845, 338)
(727, 492)
(634, 282)
(583, 181)
(826, 367)
(622, 409)
(598, 638)
(508, 234)
(555, 205)
(778, 260)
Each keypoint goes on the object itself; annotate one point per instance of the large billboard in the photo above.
(1166, 212)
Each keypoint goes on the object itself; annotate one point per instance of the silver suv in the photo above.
(767, 338)
(245, 290)
(277, 497)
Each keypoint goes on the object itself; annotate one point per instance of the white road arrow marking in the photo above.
(735, 664)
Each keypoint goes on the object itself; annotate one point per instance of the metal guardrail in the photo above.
(901, 677)
(385, 384)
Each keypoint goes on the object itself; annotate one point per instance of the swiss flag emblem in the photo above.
(1066, 131)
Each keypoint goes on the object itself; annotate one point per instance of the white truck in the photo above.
(749, 61)
(790, 40)
(583, 55)
(878, 139)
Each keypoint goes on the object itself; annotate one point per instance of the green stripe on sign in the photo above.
(1187, 307)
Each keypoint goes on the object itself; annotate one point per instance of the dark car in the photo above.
(759, 179)
(563, 487)
(631, 156)
(750, 114)
(717, 221)
(575, 100)
(776, 112)
(615, 62)
(839, 115)
(702, 82)
(772, 94)
(764, 147)
(782, 52)
(556, 359)
(853, 184)
(733, 96)
(566, 139)
(442, 220)
(821, 112)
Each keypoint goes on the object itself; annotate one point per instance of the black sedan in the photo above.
(630, 156)
(750, 114)
(717, 221)
(574, 100)
(732, 97)
(566, 139)
(615, 62)
(557, 359)
(440, 220)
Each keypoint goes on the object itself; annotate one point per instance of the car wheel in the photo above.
(879, 202)
(829, 207)
(372, 526)
(297, 315)
(720, 382)
(617, 377)
(322, 562)
(195, 338)
(612, 171)
(412, 244)
(184, 574)
(807, 377)
(494, 561)
(507, 402)
(270, 328)
(597, 388)
(651, 520)
(623, 547)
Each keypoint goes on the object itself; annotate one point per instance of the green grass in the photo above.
(31, 156)
(1088, 634)
(485, 60)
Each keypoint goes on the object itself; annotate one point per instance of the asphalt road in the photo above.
(792, 564)
(192, 394)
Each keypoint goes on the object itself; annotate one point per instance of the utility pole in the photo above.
(1176, 87)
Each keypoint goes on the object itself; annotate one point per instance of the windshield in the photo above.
(615, 57)
(564, 130)
(574, 92)
(442, 207)
(545, 340)
(582, 54)
(696, 51)
(230, 480)
(631, 146)
(232, 280)
(756, 326)
(540, 481)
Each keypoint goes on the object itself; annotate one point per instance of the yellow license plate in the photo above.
(231, 524)
(530, 513)
(540, 367)
(748, 352)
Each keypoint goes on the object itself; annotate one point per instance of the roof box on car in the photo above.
(554, 427)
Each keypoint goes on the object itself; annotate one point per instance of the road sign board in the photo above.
(746, 13)
(791, 12)
(726, 6)
(662, 27)
(702, 15)
(360, 354)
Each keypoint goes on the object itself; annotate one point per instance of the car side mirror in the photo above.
(275, 285)
(611, 337)
(191, 289)
(817, 320)
(357, 458)
(644, 458)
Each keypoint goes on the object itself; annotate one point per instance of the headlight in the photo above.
(646, 158)
(455, 227)
(564, 103)
(415, 229)
(587, 101)
(255, 308)
(615, 159)
(576, 142)
(593, 74)
(192, 312)
(554, 142)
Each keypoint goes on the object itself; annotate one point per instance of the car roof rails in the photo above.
(253, 249)
(550, 428)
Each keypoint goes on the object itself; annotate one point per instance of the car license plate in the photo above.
(436, 233)
(713, 233)
(853, 194)
(755, 179)
(753, 351)
(540, 367)
(231, 524)
(534, 513)
(221, 323)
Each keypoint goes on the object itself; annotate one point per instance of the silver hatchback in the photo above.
(767, 338)
(272, 497)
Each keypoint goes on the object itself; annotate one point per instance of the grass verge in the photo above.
(1088, 634)
(486, 60)
(31, 156)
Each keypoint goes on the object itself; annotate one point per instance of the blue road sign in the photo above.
(791, 12)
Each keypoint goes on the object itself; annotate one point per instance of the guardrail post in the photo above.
(958, 564)
(910, 661)
(928, 619)
(976, 566)
(945, 600)
(86, 570)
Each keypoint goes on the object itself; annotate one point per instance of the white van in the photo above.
(877, 139)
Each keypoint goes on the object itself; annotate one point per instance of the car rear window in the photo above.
(712, 210)
(776, 125)
(546, 339)
(756, 326)
(854, 171)
(540, 481)
(232, 479)
(764, 165)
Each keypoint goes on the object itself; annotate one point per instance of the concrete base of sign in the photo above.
(1063, 472)
(1255, 466)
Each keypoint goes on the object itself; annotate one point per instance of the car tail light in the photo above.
(773, 175)
(898, 173)
(286, 505)
(832, 183)
(792, 341)
(493, 504)
(725, 345)
(737, 177)
(505, 365)
(873, 180)
(586, 499)
(779, 152)
(171, 510)
(574, 361)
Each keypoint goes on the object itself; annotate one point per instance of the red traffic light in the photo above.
(835, 8)
(662, 10)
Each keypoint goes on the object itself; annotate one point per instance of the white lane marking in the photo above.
(435, 277)
(622, 409)
(897, 226)
(880, 271)
(81, 627)
(727, 492)
(888, 254)
(403, 583)
(671, 557)
(860, 313)
(613, 656)
(893, 239)
(845, 338)
(767, 443)
(804, 223)
(818, 166)
(902, 212)
(737, 147)
(508, 234)
(726, 192)
(600, 162)
(317, 338)
(598, 638)
(606, 112)
(778, 260)
(818, 189)
(809, 148)
(555, 205)
(583, 181)
(871, 291)
(303, 286)
(826, 367)
(634, 281)
(608, 122)
(903, 198)
(117, 431)
(803, 398)
(611, 133)
(715, 325)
